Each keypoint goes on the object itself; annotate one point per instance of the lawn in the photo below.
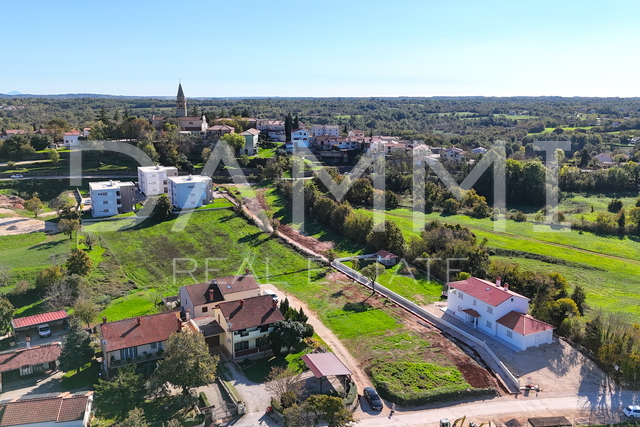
(28, 254)
(83, 380)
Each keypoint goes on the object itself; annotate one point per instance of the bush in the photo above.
(11, 165)
(308, 331)
(203, 400)
(351, 394)
(450, 206)
(518, 216)
(614, 206)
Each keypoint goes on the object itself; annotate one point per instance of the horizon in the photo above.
(286, 49)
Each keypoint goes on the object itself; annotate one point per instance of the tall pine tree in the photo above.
(76, 349)
(288, 123)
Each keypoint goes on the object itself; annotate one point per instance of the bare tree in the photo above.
(58, 296)
(284, 383)
(5, 274)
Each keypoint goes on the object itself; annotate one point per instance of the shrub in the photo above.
(308, 331)
(450, 206)
(203, 399)
(11, 165)
(614, 206)
(518, 216)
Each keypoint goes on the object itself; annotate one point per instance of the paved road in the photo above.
(70, 177)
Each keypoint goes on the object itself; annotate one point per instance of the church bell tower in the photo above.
(181, 103)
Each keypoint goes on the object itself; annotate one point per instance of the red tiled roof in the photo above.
(252, 131)
(38, 319)
(257, 311)
(199, 292)
(471, 312)
(72, 132)
(231, 284)
(523, 324)
(485, 291)
(128, 333)
(385, 254)
(325, 364)
(49, 409)
(296, 130)
(29, 356)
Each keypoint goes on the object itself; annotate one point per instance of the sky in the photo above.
(322, 48)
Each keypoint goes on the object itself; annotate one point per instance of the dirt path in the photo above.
(359, 376)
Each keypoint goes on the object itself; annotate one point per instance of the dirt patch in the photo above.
(11, 202)
(308, 242)
(20, 225)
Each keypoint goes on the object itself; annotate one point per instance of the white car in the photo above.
(632, 411)
(271, 294)
(44, 330)
(16, 176)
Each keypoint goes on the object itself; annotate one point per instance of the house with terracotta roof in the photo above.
(251, 142)
(64, 410)
(497, 311)
(231, 313)
(386, 258)
(137, 339)
(70, 139)
(28, 361)
(217, 131)
(11, 132)
(28, 326)
(453, 154)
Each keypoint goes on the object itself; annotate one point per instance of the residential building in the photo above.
(28, 361)
(152, 180)
(110, 198)
(603, 158)
(497, 311)
(251, 142)
(300, 138)
(30, 326)
(190, 192)
(70, 139)
(356, 133)
(217, 131)
(453, 154)
(274, 129)
(317, 130)
(386, 258)
(10, 132)
(44, 410)
(136, 340)
(479, 150)
(86, 132)
(231, 313)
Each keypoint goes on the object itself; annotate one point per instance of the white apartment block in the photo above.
(300, 138)
(110, 198)
(152, 180)
(317, 130)
(190, 192)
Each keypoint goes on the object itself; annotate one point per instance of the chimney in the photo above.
(275, 305)
(104, 319)
(241, 303)
(210, 294)
(246, 271)
(506, 286)
(28, 341)
(187, 316)
(179, 324)
(499, 281)
(138, 321)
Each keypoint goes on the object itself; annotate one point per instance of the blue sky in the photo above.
(327, 48)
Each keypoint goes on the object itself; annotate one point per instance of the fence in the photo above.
(501, 370)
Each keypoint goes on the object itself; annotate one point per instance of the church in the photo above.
(190, 124)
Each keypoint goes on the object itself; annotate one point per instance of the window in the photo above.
(128, 353)
(264, 328)
(205, 309)
(244, 333)
(488, 324)
(460, 295)
(474, 302)
(154, 345)
(490, 310)
(106, 202)
(242, 345)
(509, 333)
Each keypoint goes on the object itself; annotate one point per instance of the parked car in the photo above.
(372, 397)
(16, 176)
(44, 330)
(271, 294)
(632, 411)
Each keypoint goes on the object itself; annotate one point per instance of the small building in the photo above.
(70, 139)
(300, 138)
(28, 361)
(23, 327)
(354, 133)
(191, 191)
(64, 410)
(251, 142)
(603, 158)
(497, 311)
(11, 132)
(152, 180)
(479, 150)
(136, 340)
(110, 198)
(453, 154)
(386, 258)
(317, 130)
(86, 132)
(218, 131)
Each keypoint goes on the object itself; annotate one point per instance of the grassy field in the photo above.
(575, 206)
(28, 254)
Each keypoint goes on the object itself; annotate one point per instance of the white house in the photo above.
(86, 132)
(251, 142)
(152, 180)
(70, 139)
(300, 138)
(317, 130)
(110, 198)
(190, 192)
(497, 311)
(453, 154)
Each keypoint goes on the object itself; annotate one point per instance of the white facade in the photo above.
(110, 198)
(251, 142)
(317, 130)
(70, 139)
(190, 192)
(152, 180)
(300, 138)
(452, 154)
